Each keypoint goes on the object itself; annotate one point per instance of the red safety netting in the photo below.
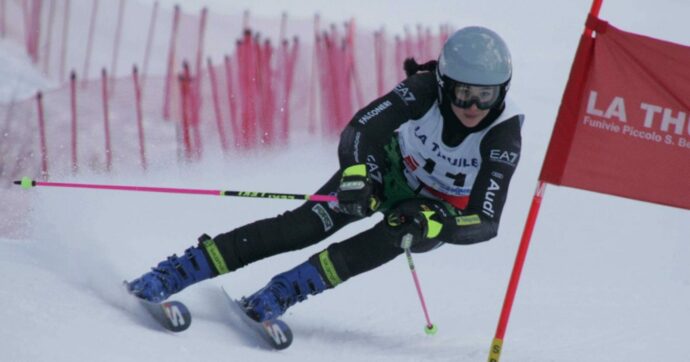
(204, 83)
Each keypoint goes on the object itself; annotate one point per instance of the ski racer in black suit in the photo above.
(435, 156)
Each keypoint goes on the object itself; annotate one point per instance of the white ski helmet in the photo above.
(474, 56)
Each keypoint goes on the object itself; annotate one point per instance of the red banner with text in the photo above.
(624, 123)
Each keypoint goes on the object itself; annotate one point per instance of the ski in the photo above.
(171, 315)
(274, 333)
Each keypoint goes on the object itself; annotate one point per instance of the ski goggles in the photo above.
(465, 95)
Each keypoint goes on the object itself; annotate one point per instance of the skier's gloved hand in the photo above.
(356, 194)
(414, 221)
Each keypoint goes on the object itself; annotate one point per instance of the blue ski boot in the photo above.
(283, 291)
(173, 274)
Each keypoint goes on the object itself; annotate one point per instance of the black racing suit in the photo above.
(370, 138)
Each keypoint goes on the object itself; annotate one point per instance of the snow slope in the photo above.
(606, 279)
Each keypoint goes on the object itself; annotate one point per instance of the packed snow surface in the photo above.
(606, 279)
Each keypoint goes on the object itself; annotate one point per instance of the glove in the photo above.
(356, 192)
(413, 222)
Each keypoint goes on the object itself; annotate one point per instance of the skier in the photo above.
(435, 156)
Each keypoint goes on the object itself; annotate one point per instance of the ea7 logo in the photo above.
(404, 93)
(173, 313)
(374, 171)
(510, 158)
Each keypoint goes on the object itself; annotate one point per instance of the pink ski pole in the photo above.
(28, 183)
(429, 328)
